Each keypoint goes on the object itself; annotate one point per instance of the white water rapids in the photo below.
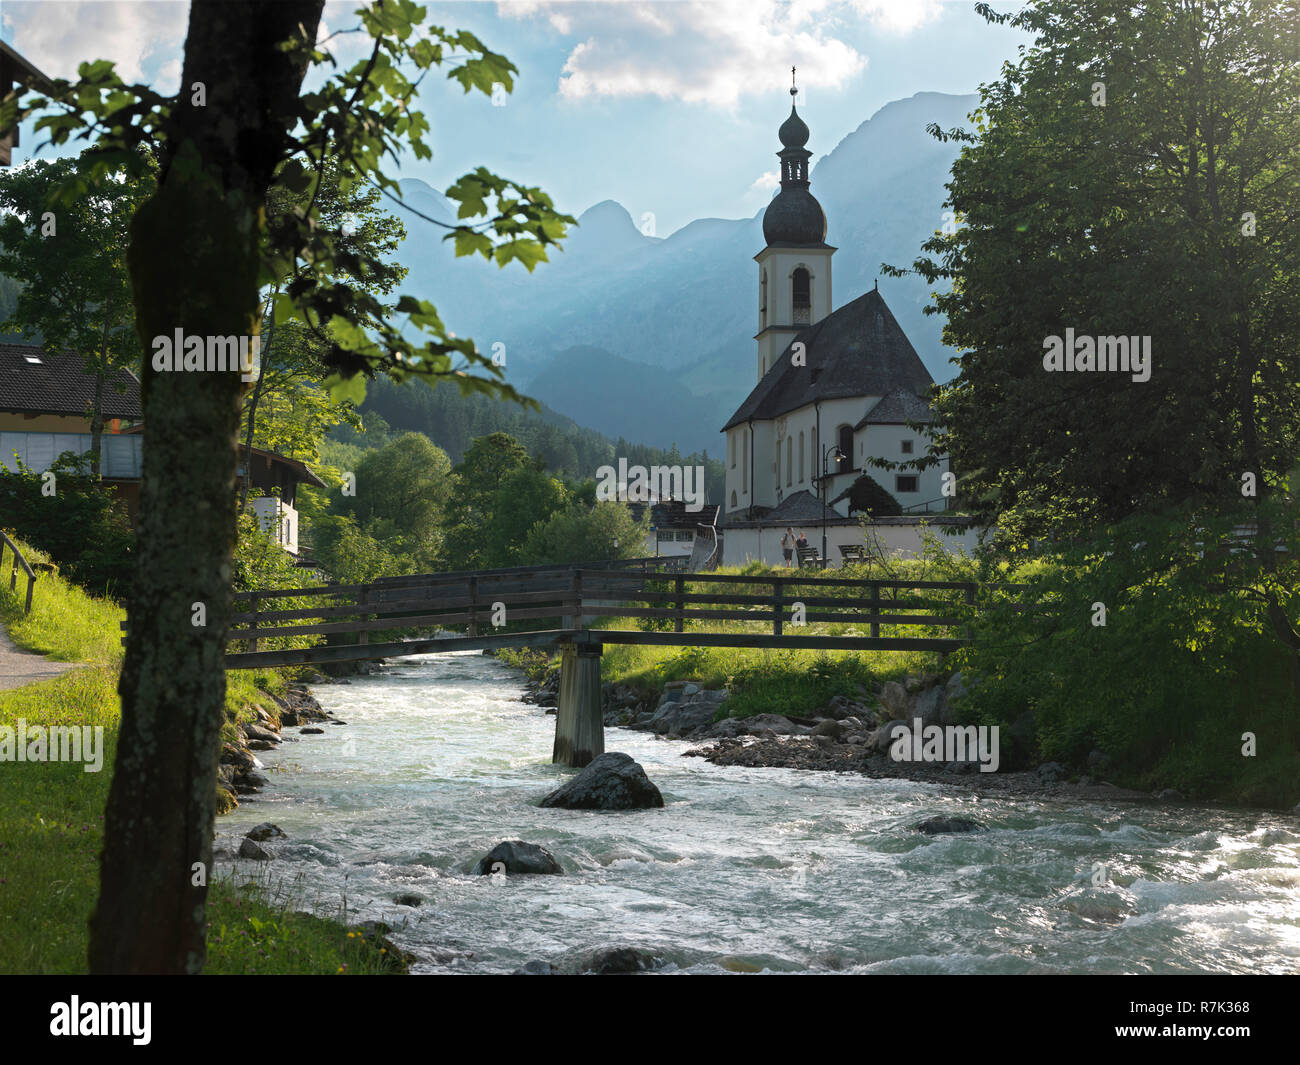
(744, 869)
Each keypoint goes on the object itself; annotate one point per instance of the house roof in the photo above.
(898, 408)
(59, 384)
(304, 472)
(672, 514)
(858, 350)
(801, 508)
(16, 66)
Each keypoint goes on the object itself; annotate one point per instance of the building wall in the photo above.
(885, 441)
(744, 545)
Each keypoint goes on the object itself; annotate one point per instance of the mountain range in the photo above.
(651, 338)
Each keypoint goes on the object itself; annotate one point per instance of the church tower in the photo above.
(794, 270)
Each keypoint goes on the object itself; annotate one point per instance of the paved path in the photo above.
(18, 667)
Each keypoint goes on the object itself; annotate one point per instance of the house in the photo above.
(676, 530)
(14, 72)
(45, 403)
(835, 389)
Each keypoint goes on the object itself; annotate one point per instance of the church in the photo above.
(834, 389)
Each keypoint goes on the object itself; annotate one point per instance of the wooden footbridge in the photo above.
(565, 607)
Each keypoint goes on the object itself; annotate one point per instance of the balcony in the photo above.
(278, 520)
(119, 453)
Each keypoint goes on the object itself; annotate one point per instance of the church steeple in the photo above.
(794, 270)
(794, 216)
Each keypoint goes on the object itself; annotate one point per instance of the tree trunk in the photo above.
(193, 261)
(97, 424)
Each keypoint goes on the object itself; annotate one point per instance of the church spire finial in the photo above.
(794, 91)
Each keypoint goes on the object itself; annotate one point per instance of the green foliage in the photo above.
(527, 497)
(1162, 213)
(81, 526)
(1191, 659)
(70, 253)
(580, 533)
(866, 496)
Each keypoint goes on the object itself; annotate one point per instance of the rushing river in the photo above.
(744, 869)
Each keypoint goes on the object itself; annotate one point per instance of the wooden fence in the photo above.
(18, 561)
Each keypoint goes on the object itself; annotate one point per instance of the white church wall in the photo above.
(886, 441)
(903, 540)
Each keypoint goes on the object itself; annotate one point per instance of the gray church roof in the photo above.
(858, 350)
(898, 408)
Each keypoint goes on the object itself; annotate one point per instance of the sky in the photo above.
(670, 108)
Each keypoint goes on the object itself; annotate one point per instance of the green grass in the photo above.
(51, 815)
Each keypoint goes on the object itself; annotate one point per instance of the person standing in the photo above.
(787, 547)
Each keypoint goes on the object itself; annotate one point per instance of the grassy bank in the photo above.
(51, 814)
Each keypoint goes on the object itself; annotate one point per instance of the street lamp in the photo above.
(833, 454)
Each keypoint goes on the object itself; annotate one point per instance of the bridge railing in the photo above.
(785, 606)
(496, 607)
(475, 600)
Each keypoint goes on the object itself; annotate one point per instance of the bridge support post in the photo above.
(579, 728)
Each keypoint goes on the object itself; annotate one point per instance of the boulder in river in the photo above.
(536, 968)
(611, 781)
(258, 732)
(933, 826)
(264, 831)
(255, 851)
(608, 961)
(515, 857)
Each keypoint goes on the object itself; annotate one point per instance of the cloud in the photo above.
(898, 16)
(138, 37)
(699, 51)
(769, 180)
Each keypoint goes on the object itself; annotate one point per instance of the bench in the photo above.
(853, 554)
(809, 558)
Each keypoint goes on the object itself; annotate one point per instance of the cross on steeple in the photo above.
(793, 89)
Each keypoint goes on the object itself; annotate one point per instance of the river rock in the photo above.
(1051, 772)
(254, 851)
(264, 831)
(612, 781)
(883, 737)
(518, 858)
(311, 731)
(683, 717)
(933, 826)
(258, 732)
(536, 968)
(408, 899)
(893, 697)
(609, 961)
(1170, 795)
(829, 727)
(929, 707)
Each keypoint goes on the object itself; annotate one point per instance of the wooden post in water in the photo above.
(579, 729)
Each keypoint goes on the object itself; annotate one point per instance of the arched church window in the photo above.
(802, 467)
(845, 445)
(733, 500)
(762, 301)
(789, 461)
(802, 285)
